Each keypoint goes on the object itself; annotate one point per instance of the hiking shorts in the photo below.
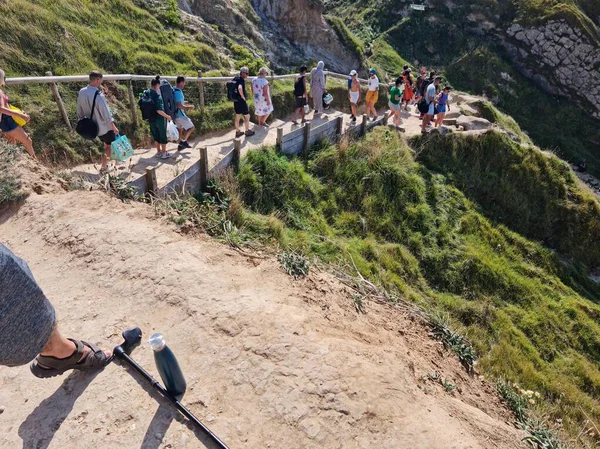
(372, 96)
(108, 138)
(441, 108)
(7, 124)
(394, 107)
(27, 318)
(184, 123)
(301, 102)
(241, 107)
(158, 129)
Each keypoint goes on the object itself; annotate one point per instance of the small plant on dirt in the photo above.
(540, 437)
(448, 386)
(119, 188)
(359, 304)
(454, 341)
(294, 264)
(10, 184)
(74, 182)
(516, 402)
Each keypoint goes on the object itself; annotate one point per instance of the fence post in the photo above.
(132, 104)
(280, 138)
(363, 125)
(339, 126)
(306, 140)
(237, 152)
(151, 182)
(201, 90)
(203, 168)
(386, 116)
(59, 102)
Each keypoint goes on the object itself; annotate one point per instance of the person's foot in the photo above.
(184, 144)
(181, 147)
(158, 154)
(354, 119)
(165, 155)
(239, 134)
(249, 133)
(305, 121)
(295, 122)
(85, 357)
(264, 125)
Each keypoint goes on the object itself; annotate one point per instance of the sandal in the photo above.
(47, 366)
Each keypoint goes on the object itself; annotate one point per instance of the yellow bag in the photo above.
(18, 120)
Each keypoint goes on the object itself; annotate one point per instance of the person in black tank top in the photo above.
(300, 95)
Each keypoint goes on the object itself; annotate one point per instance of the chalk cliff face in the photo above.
(561, 58)
(289, 32)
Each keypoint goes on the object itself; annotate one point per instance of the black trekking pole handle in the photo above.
(121, 354)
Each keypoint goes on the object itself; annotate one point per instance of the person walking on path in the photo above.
(353, 93)
(158, 126)
(28, 329)
(183, 122)
(395, 101)
(372, 94)
(317, 87)
(240, 105)
(430, 98)
(408, 94)
(443, 105)
(8, 126)
(107, 130)
(419, 85)
(263, 106)
(300, 95)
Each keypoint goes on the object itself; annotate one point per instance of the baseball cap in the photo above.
(353, 72)
(372, 71)
(244, 70)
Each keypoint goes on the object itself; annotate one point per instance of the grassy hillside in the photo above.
(531, 313)
(444, 39)
(115, 36)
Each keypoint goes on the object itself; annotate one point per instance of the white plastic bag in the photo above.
(306, 109)
(172, 132)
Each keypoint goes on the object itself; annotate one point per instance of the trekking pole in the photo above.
(132, 339)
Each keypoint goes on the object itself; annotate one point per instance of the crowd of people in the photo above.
(170, 106)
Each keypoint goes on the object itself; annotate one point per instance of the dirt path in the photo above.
(270, 362)
(220, 144)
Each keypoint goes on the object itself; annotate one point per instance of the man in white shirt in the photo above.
(372, 94)
(107, 130)
(430, 95)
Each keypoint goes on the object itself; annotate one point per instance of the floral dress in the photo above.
(262, 105)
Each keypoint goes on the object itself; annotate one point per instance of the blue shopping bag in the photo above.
(121, 149)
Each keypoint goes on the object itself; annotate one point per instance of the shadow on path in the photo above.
(38, 430)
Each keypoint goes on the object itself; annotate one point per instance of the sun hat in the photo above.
(353, 72)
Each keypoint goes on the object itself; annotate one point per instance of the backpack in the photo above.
(425, 85)
(299, 87)
(147, 107)
(86, 127)
(166, 92)
(232, 90)
(423, 106)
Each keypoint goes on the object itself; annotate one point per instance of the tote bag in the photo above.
(121, 149)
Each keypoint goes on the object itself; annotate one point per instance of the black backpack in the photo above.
(232, 90)
(86, 127)
(168, 96)
(147, 107)
(425, 85)
(422, 106)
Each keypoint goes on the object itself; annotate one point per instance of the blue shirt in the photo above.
(430, 96)
(178, 98)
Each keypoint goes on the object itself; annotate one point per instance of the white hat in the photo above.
(353, 72)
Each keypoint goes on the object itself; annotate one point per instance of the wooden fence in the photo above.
(296, 142)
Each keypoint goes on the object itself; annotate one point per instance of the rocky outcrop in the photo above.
(297, 32)
(560, 58)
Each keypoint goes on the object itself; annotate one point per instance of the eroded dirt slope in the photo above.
(270, 362)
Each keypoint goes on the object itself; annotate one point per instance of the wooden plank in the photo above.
(292, 135)
(279, 137)
(151, 182)
(139, 185)
(340, 126)
(133, 104)
(188, 181)
(292, 143)
(306, 139)
(222, 165)
(201, 90)
(237, 154)
(59, 102)
(203, 179)
(295, 148)
(363, 125)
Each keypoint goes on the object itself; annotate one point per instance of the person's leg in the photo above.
(60, 347)
(265, 118)
(181, 132)
(22, 137)
(163, 148)
(105, 157)
(353, 108)
(247, 122)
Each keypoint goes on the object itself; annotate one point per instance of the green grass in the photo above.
(531, 315)
(10, 184)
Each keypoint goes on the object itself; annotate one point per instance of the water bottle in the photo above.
(167, 366)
